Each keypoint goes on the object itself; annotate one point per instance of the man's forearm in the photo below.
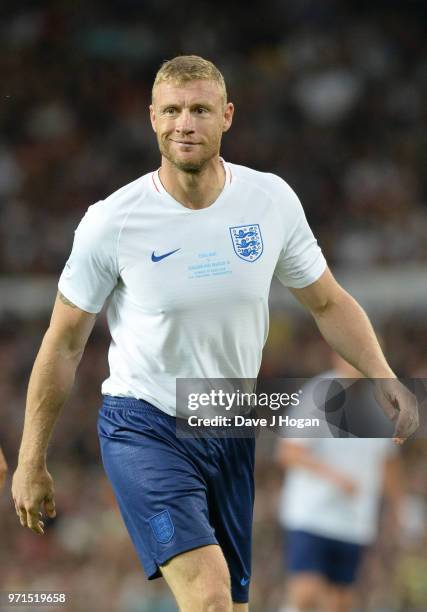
(347, 329)
(50, 383)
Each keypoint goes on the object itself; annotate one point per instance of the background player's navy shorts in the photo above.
(338, 561)
(176, 494)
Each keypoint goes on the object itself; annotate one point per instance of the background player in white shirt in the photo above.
(330, 505)
(186, 257)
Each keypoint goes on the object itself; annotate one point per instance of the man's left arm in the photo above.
(348, 331)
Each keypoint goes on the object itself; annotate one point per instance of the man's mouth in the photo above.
(185, 142)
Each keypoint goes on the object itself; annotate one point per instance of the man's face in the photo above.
(189, 121)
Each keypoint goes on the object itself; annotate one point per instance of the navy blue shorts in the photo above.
(336, 560)
(177, 494)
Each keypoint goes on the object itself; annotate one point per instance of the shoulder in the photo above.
(121, 201)
(272, 185)
(107, 216)
(129, 193)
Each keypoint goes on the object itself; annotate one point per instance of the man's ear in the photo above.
(228, 117)
(152, 117)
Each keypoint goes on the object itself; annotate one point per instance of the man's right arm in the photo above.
(50, 383)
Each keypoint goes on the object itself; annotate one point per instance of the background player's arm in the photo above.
(394, 489)
(294, 455)
(50, 383)
(3, 469)
(347, 329)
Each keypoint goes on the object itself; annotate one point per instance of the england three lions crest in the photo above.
(247, 241)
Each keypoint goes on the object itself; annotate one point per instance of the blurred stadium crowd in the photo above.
(331, 96)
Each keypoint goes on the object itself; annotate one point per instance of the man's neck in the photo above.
(194, 190)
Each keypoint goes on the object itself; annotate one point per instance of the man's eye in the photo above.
(170, 111)
(201, 110)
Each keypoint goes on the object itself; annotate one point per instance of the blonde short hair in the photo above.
(185, 68)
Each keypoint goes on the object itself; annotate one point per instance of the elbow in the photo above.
(330, 303)
(63, 346)
(321, 308)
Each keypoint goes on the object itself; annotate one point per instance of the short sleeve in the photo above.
(91, 272)
(301, 261)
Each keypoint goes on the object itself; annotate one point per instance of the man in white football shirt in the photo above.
(185, 255)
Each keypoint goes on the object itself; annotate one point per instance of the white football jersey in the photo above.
(314, 504)
(188, 289)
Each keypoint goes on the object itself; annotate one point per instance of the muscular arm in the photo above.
(347, 329)
(50, 383)
(53, 376)
(344, 325)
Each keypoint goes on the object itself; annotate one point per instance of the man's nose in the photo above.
(184, 123)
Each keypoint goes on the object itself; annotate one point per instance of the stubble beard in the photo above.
(190, 166)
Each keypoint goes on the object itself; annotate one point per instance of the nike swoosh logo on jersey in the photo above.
(156, 258)
(244, 581)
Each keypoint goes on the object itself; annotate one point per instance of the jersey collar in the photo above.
(158, 186)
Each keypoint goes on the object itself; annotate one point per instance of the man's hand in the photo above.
(400, 405)
(31, 488)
